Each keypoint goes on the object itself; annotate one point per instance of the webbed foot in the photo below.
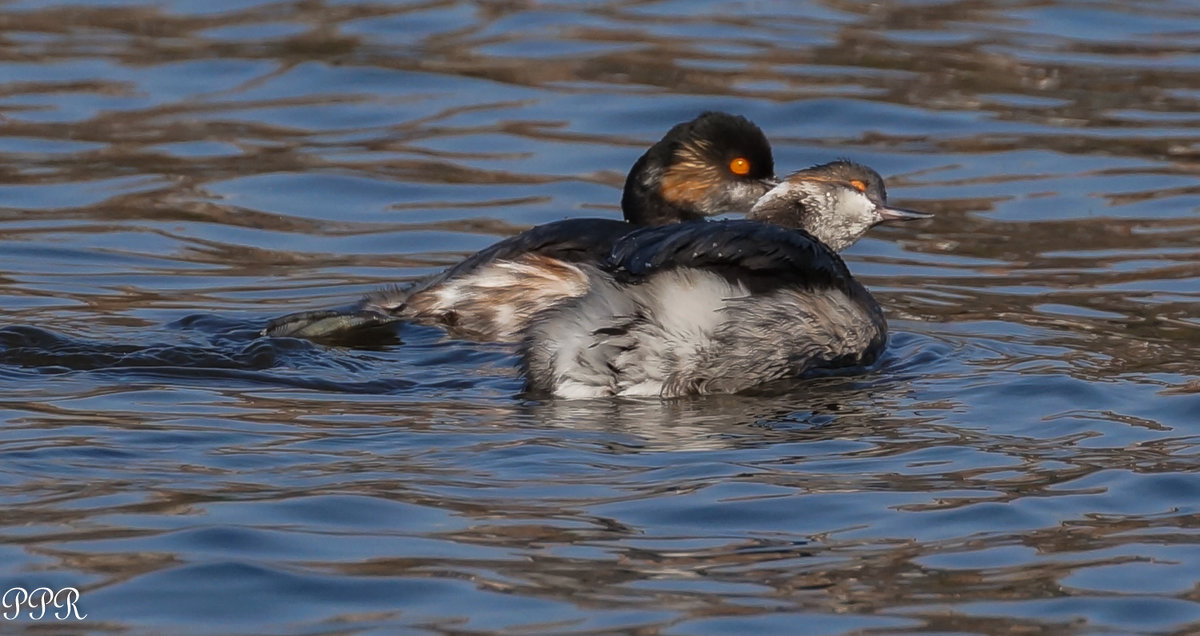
(325, 324)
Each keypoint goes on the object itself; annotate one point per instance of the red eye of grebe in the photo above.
(740, 166)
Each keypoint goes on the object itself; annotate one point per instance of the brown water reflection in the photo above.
(174, 173)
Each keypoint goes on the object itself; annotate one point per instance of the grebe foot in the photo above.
(326, 323)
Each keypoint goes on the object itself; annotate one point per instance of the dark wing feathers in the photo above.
(570, 240)
(741, 249)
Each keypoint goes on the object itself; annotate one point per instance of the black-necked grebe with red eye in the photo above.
(714, 164)
(722, 307)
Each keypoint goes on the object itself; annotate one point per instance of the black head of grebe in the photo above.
(714, 164)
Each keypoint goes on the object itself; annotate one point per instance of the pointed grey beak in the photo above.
(770, 182)
(900, 214)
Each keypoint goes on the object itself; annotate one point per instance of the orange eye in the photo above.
(740, 166)
(861, 186)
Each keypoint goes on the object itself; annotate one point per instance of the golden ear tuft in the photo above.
(861, 186)
(740, 166)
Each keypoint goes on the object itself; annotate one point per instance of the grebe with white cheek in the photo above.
(722, 307)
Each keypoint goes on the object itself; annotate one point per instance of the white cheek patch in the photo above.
(837, 215)
(859, 209)
(785, 193)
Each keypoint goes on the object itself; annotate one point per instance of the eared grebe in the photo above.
(713, 164)
(724, 306)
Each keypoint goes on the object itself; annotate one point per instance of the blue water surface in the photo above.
(175, 173)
